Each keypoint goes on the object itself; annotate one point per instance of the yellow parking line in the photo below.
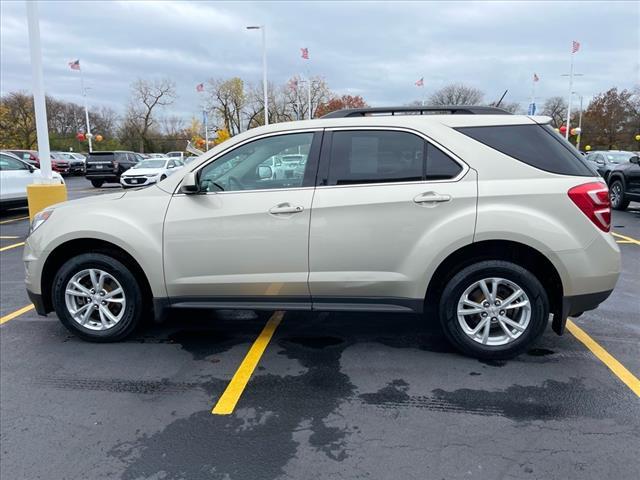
(12, 220)
(605, 357)
(17, 313)
(625, 238)
(9, 247)
(232, 393)
(8, 237)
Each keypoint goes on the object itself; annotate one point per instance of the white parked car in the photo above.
(149, 171)
(15, 175)
(487, 222)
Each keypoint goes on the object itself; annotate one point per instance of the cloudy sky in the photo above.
(377, 50)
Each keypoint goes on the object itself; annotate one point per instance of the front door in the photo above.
(389, 203)
(244, 238)
(14, 178)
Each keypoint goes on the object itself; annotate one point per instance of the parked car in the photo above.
(606, 160)
(624, 183)
(29, 156)
(75, 165)
(179, 155)
(107, 167)
(486, 221)
(155, 155)
(15, 175)
(149, 171)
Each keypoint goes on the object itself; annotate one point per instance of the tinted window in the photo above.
(440, 166)
(8, 163)
(100, 157)
(361, 156)
(535, 145)
(257, 165)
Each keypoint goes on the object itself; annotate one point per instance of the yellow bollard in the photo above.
(40, 196)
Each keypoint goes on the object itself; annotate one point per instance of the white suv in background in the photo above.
(486, 222)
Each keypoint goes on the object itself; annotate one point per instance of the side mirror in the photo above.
(264, 172)
(190, 184)
(635, 159)
(600, 161)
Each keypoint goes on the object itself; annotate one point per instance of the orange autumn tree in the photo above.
(339, 103)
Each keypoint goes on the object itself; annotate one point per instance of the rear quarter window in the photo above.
(536, 145)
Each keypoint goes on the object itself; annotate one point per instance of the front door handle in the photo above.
(431, 197)
(284, 208)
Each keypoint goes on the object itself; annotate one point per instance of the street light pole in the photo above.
(264, 69)
(86, 111)
(40, 107)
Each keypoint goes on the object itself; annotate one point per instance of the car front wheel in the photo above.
(616, 195)
(493, 310)
(97, 298)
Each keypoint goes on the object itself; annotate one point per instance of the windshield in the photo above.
(618, 157)
(153, 163)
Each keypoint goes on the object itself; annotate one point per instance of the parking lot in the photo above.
(338, 395)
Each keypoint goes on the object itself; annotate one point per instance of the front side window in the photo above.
(8, 163)
(258, 165)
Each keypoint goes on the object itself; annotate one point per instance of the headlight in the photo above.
(39, 219)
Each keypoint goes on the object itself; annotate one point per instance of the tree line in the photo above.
(610, 121)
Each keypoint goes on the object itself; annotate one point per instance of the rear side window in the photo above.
(440, 166)
(536, 145)
(361, 156)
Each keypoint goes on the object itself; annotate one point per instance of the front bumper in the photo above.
(131, 182)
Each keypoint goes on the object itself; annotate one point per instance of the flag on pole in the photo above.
(420, 83)
(304, 53)
(575, 46)
(75, 65)
(200, 87)
(535, 77)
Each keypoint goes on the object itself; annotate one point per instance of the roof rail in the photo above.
(450, 109)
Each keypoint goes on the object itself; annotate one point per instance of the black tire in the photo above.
(487, 269)
(618, 200)
(97, 183)
(134, 308)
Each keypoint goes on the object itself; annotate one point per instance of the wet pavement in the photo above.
(338, 395)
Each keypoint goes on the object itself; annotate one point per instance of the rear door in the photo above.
(388, 204)
(14, 178)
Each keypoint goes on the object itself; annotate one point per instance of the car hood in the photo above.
(87, 201)
(143, 171)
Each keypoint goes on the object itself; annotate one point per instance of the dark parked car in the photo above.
(29, 156)
(104, 167)
(606, 160)
(624, 183)
(75, 165)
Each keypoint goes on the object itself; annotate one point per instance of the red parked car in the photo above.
(29, 156)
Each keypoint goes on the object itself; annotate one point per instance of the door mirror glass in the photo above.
(635, 159)
(264, 172)
(190, 184)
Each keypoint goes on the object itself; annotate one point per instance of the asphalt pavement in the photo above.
(334, 395)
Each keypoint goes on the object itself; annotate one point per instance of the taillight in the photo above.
(593, 199)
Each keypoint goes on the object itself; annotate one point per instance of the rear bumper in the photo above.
(577, 304)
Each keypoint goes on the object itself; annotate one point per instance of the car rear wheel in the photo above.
(97, 183)
(97, 298)
(493, 310)
(616, 195)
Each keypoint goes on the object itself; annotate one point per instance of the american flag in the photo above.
(75, 65)
(535, 77)
(200, 87)
(304, 53)
(575, 46)
(420, 83)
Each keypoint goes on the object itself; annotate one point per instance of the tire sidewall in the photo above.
(486, 269)
(621, 200)
(132, 291)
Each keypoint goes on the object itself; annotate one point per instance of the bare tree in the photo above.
(456, 94)
(556, 108)
(17, 121)
(227, 100)
(146, 96)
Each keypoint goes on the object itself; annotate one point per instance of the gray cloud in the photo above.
(377, 50)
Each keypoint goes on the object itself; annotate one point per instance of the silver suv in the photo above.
(485, 221)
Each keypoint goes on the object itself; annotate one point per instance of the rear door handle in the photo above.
(284, 208)
(431, 197)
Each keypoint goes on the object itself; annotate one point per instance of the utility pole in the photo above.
(264, 69)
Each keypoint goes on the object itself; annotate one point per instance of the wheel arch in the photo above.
(72, 248)
(524, 255)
